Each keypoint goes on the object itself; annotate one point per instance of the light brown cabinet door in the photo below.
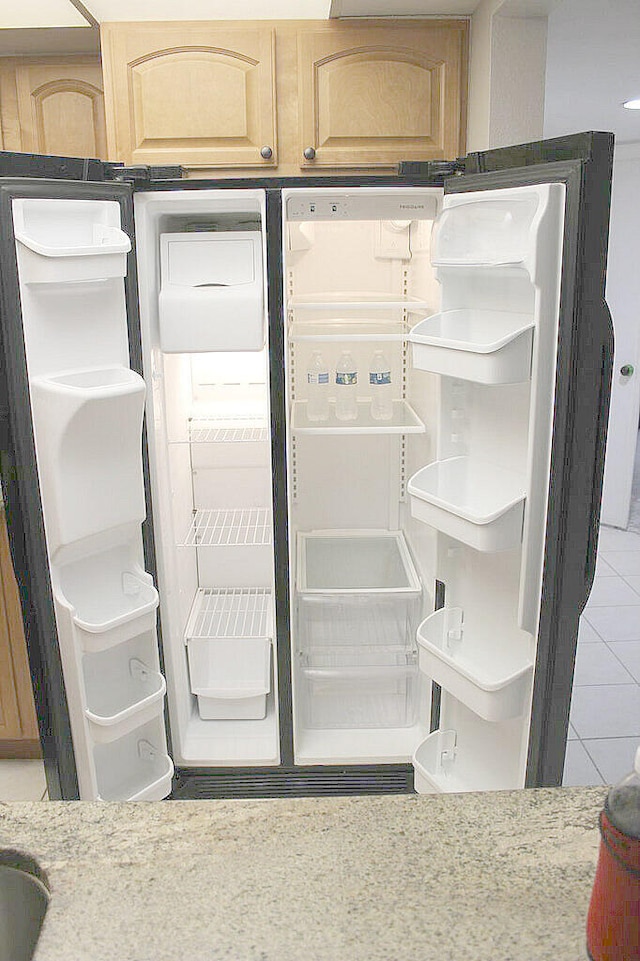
(375, 94)
(60, 107)
(18, 725)
(198, 94)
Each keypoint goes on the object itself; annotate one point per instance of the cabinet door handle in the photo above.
(266, 153)
(627, 370)
(309, 153)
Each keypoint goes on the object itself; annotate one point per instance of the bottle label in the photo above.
(347, 378)
(322, 378)
(380, 379)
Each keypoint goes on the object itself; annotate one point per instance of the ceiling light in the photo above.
(632, 104)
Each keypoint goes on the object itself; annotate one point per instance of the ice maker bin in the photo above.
(212, 291)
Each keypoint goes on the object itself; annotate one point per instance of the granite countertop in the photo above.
(485, 877)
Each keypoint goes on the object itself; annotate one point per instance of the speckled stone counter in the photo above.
(483, 877)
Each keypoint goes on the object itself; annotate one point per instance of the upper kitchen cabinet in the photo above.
(372, 95)
(199, 94)
(53, 106)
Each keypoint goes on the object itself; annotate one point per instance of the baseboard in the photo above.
(25, 748)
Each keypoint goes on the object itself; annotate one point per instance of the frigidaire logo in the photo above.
(411, 206)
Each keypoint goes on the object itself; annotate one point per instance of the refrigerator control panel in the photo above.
(390, 204)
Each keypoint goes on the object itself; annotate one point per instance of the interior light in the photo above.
(632, 104)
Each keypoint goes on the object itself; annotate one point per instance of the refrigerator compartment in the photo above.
(88, 427)
(404, 420)
(356, 620)
(489, 347)
(492, 683)
(64, 241)
(355, 562)
(135, 767)
(212, 292)
(486, 231)
(121, 694)
(370, 688)
(434, 765)
(108, 604)
(232, 527)
(471, 500)
(228, 639)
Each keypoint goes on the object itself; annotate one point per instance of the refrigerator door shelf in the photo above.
(434, 765)
(114, 613)
(134, 768)
(490, 232)
(404, 420)
(471, 500)
(130, 701)
(491, 683)
(65, 241)
(488, 347)
(212, 292)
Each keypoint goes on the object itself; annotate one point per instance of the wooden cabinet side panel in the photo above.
(198, 94)
(16, 694)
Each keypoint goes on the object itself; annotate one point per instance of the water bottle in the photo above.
(317, 388)
(613, 922)
(380, 384)
(346, 387)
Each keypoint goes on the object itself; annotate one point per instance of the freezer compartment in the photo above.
(212, 291)
(359, 687)
(491, 681)
(489, 347)
(228, 639)
(135, 767)
(88, 427)
(472, 500)
(65, 241)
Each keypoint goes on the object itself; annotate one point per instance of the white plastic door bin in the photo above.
(474, 501)
(488, 347)
(120, 695)
(493, 684)
(66, 241)
(212, 291)
(434, 764)
(135, 767)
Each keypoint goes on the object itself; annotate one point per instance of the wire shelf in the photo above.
(229, 528)
(230, 613)
(236, 431)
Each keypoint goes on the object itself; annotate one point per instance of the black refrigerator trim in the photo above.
(44, 166)
(581, 408)
(21, 486)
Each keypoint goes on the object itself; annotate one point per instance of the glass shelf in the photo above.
(356, 300)
(349, 329)
(404, 421)
(241, 527)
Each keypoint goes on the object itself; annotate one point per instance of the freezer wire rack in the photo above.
(241, 527)
(237, 431)
(230, 613)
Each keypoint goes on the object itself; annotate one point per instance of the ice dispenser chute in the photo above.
(212, 291)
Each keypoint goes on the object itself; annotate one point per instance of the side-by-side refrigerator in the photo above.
(302, 477)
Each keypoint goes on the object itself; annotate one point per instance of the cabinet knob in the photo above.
(266, 153)
(309, 153)
(627, 370)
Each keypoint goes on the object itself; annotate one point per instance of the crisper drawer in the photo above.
(358, 688)
(367, 620)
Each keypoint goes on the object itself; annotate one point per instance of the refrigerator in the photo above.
(302, 476)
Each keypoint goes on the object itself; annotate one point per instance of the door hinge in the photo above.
(142, 173)
(437, 170)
